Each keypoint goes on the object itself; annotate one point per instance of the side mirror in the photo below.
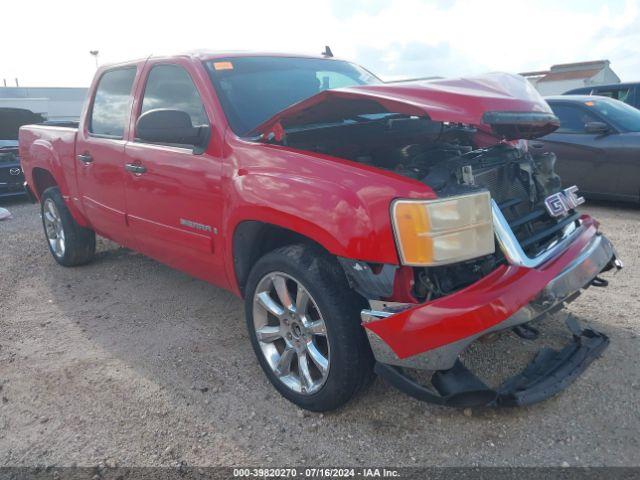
(597, 128)
(163, 125)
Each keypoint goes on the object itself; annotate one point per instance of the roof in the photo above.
(537, 73)
(569, 75)
(604, 85)
(204, 55)
(50, 93)
(211, 54)
(568, 71)
(599, 64)
(577, 98)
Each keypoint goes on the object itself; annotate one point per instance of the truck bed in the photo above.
(45, 147)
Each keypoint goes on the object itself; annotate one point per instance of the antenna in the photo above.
(17, 85)
(327, 52)
(95, 53)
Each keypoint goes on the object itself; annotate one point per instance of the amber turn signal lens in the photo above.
(443, 231)
(412, 227)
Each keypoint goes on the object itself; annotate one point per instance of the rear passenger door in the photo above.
(100, 153)
(174, 205)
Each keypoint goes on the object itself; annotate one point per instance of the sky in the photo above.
(47, 43)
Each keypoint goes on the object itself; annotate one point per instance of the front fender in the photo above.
(341, 205)
(329, 214)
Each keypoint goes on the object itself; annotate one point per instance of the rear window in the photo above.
(111, 106)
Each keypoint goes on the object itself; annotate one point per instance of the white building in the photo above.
(54, 103)
(563, 77)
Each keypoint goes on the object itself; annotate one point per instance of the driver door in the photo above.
(173, 192)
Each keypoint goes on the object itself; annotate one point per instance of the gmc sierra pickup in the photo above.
(369, 227)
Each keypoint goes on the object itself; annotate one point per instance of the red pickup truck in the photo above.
(370, 227)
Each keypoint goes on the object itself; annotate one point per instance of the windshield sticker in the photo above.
(223, 66)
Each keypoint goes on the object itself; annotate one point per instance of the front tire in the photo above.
(69, 243)
(304, 325)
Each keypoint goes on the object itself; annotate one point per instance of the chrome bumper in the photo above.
(565, 287)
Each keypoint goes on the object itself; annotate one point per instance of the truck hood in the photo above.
(503, 105)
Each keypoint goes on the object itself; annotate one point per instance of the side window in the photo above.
(110, 112)
(171, 87)
(572, 119)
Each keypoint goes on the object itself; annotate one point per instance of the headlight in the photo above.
(449, 230)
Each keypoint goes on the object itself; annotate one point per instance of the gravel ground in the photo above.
(128, 362)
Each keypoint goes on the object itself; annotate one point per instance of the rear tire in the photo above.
(69, 243)
(312, 347)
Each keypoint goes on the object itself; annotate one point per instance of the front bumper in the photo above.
(548, 373)
(431, 336)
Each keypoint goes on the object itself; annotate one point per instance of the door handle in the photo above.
(85, 158)
(135, 168)
(536, 144)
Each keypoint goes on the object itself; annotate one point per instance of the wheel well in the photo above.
(253, 239)
(42, 180)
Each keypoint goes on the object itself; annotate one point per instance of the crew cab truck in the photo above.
(369, 227)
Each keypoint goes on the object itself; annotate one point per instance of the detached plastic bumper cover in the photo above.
(549, 372)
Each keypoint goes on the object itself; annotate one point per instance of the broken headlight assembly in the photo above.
(443, 231)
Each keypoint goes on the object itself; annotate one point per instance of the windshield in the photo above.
(253, 89)
(621, 115)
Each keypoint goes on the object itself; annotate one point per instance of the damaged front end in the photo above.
(432, 336)
(549, 372)
(540, 263)
(500, 247)
(424, 318)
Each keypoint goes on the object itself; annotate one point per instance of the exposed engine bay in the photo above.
(440, 155)
(445, 157)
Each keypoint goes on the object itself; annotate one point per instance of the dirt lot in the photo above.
(126, 361)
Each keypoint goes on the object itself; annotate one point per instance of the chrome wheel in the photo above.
(53, 228)
(291, 333)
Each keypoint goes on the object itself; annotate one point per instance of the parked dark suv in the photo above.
(628, 93)
(11, 177)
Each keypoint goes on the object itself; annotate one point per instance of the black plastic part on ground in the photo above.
(526, 331)
(550, 372)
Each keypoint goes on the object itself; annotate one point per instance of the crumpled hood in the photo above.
(504, 105)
